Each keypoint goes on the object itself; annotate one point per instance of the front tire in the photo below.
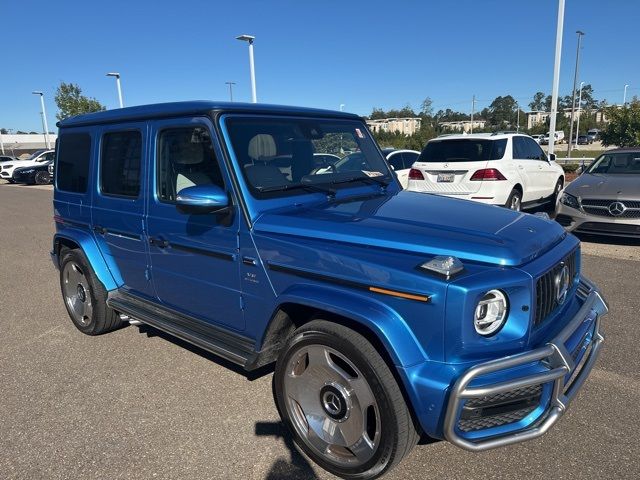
(514, 202)
(84, 296)
(341, 402)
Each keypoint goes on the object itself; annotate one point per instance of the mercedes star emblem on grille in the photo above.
(617, 208)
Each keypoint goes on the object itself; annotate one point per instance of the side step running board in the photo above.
(228, 345)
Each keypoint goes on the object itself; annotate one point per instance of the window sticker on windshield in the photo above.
(359, 133)
(372, 174)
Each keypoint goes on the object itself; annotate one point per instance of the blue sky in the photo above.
(364, 54)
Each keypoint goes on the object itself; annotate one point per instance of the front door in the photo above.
(118, 204)
(194, 256)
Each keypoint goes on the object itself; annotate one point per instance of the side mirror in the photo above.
(552, 157)
(202, 198)
(392, 167)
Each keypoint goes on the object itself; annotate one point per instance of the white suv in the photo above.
(38, 158)
(500, 169)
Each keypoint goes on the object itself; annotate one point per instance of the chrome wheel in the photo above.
(76, 291)
(331, 406)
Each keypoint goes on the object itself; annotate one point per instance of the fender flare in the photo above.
(104, 268)
(385, 323)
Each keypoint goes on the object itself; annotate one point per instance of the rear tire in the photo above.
(84, 296)
(341, 402)
(514, 202)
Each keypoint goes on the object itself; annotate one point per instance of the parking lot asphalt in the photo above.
(138, 404)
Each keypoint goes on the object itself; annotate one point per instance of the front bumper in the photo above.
(581, 222)
(566, 365)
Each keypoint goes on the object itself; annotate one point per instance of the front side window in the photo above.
(73, 162)
(120, 163)
(282, 155)
(185, 159)
(463, 150)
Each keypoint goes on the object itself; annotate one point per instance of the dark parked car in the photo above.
(34, 175)
(584, 140)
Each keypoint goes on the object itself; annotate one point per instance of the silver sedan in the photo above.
(605, 199)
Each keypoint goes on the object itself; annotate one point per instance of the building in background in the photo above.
(406, 126)
(536, 117)
(18, 145)
(463, 125)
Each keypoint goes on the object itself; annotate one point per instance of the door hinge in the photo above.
(147, 273)
(241, 302)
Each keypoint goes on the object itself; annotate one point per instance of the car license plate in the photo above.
(446, 177)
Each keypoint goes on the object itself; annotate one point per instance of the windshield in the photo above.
(616, 163)
(282, 155)
(463, 150)
(35, 154)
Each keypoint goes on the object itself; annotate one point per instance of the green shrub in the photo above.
(570, 167)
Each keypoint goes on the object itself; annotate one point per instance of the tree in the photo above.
(623, 128)
(70, 101)
(4, 131)
(502, 111)
(538, 102)
(427, 107)
(377, 114)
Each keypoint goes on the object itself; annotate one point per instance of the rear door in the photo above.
(119, 206)
(528, 168)
(194, 256)
(548, 174)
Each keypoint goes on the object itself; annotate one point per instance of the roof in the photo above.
(199, 107)
(489, 135)
(623, 150)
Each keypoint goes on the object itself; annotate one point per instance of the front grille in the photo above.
(546, 298)
(499, 409)
(600, 207)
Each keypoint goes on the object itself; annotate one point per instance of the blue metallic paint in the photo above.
(364, 235)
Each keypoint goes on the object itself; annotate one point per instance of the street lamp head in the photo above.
(246, 38)
(113, 74)
(579, 32)
(36, 92)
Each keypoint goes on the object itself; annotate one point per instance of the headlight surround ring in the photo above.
(491, 313)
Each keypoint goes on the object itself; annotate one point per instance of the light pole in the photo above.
(117, 75)
(473, 109)
(573, 94)
(518, 118)
(1, 143)
(45, 127)
(231, 84)
(579, 114)
(250, 39)
(556, 77)
(624, 97)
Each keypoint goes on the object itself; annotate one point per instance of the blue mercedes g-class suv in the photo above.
(276, 234)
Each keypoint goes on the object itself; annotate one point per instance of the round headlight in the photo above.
(491, 313)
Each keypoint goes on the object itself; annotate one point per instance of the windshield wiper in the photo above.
(365, 179)
(310, 187)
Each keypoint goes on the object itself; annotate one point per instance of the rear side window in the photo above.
(395, 161)
(463, 150)
(73, 162)
(120, 163)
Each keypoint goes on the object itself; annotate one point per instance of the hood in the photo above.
(606, 186)
(420, 223)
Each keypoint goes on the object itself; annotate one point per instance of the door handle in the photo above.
(249, 261)
(158, 242)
